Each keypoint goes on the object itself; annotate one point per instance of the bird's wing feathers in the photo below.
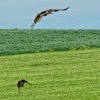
(39, 17)
(55, 10)
(21, 83)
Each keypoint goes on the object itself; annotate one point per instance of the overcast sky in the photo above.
(82, 14)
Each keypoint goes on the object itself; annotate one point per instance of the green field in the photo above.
(15, 41)
(60, 64)
(65, 75)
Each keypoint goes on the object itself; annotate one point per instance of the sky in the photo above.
(82, 14)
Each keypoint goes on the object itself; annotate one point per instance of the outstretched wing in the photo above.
(39, 17)
(55, 10)
(28, 82)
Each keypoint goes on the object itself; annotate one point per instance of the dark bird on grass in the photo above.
(21, 84)
(45, 13)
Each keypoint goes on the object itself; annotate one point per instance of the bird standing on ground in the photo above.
(45, 13)
(21, 84)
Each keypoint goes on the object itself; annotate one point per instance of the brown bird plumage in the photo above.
(21, 84)
(45, 13)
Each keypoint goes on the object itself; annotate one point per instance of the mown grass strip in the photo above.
(71, 75)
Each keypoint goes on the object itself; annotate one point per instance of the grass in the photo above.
(17, 41)
(65, 75)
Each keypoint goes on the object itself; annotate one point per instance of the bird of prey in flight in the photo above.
(45, 13)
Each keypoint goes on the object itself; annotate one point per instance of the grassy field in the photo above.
(17, 41)
(73, 73)
(65, 75)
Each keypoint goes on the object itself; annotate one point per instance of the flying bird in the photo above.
(21, 84)
(45, 13)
